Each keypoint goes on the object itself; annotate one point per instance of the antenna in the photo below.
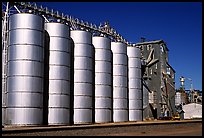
(143, 39)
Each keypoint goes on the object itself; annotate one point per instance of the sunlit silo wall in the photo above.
(4, 52)
(25, 70)
(120, 82)
(3, 87)
(83, 77)
(103, 79)
(134, 84)
(59, 73)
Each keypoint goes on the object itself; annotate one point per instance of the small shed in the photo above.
(192, 111)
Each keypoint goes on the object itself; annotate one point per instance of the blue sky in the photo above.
(179, 24)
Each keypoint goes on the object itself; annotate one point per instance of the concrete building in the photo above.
(158, 80)
(192, 111)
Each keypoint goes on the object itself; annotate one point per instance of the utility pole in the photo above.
(191, 90)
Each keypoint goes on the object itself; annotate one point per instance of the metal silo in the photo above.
(134, 78)
(120, 82)
(4, 65)
(178, 99)
(103, 79)
(25, 69)
(72, 82)
(59, 73)
(3, 86)
(83, 77)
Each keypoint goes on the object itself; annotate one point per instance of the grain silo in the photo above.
(3, 86)
(103, 79)
(177, 98)
(25, 69)
(120, 82)
(4, 70)
(72, 82)
(59, 73)
(83, 77)
(134, 84)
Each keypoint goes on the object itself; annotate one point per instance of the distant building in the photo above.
(192, 111)
(194, 96)
(159, 76)
(181, 97)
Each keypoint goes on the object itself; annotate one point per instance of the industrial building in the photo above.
(192, 111)
(57, 70)
(158, 80)
(189, 102)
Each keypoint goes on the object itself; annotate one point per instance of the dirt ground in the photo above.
(179, 130)
(185, 129)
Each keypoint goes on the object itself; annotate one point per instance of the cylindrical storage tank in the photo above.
(103, 79)
(3, 86)
(178, 98)
(120, 82)
(83, 77)
(4, 69)
(25, 70)
(135, 115)
(59, 73)
(134, 78)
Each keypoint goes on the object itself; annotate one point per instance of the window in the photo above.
(149, 47)
(173, 76)
(150, 71)
(142, 48)
(168, 71)
(161, 48)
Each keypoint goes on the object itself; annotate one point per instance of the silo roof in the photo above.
(152, 42)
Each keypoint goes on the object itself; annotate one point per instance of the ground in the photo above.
(172, 129)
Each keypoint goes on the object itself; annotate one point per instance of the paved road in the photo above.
(183, 129)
